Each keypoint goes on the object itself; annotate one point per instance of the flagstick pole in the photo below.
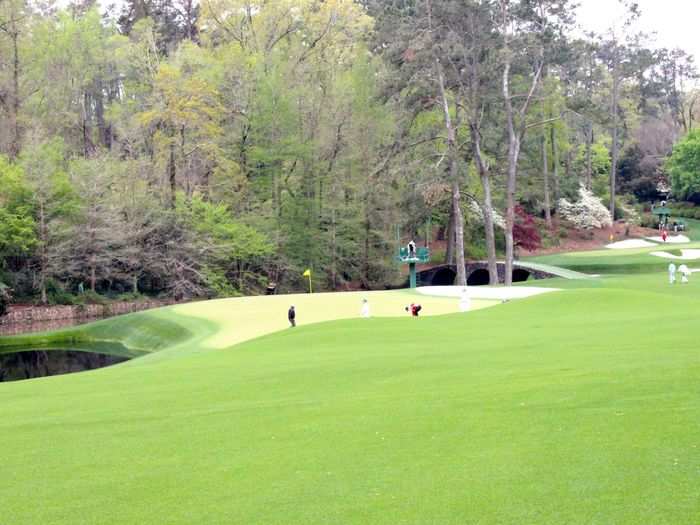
(310, 290)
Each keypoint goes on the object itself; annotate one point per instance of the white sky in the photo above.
(676, 22)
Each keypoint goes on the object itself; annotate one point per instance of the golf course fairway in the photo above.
(580, 406)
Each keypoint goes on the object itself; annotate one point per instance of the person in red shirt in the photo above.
(664, 235)
(414, 309)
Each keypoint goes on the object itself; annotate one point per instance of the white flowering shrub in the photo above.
(475, 212)
(587, 213)
(631, 215)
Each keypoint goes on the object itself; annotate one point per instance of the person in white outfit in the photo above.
(671, 273)
(411, 249)
(464, 301)
(364, 312)
(685, 273)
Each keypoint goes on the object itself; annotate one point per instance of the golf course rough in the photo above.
(579, 406)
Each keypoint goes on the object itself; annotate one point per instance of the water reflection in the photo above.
(29, 364)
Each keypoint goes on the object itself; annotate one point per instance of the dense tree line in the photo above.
(204, 149)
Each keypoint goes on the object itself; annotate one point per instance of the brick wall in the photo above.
(40, 314)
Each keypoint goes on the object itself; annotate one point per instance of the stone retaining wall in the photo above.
(40, 314)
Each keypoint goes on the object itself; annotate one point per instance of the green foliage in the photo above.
(17, 224)
(220, 234)
(684, 166)
(637, 175)
(90, 297)
(647, 220)
(58, 295)
(219, 284)
(5, 297)
(317, 126)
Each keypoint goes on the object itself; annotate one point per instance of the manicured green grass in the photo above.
(579, 406)
(634, 260)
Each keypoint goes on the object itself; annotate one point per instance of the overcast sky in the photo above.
(676, 22)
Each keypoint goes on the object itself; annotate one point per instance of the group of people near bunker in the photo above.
(412, 309)
(682, 269)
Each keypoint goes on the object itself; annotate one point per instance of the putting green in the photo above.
(249, 317)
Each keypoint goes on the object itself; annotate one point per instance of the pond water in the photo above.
(40, 363)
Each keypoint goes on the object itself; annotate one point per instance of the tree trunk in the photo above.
(44, 258)
(461, 279)
(545, 175)
(589, 160)
(555, 168)
(452, 153)
(513, 152)
(334, 252)
(452, 156)
(365, 257)
(490, 230)
(87, 143)
(93, 274)
(189, 182)
(515, 137)
(511, 174)
(102, 131)
(172, 175)
(487, 207)
(615, 129)
(449, 238)
(15, 145)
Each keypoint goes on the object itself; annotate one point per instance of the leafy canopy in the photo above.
(684, 166)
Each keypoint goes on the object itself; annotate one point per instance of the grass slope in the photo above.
(556, 271)
(574, 407)
(633, 260)
(129, 335)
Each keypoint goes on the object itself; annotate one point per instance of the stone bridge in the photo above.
(477, 274)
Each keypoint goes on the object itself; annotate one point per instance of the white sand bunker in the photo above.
(672, 239)
(631, 243)
(686, 255)
(497, 293)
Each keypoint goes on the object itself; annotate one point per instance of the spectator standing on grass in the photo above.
(292, 316)
(671, 273)
(464, 302)
(364, 311)
(664, 235)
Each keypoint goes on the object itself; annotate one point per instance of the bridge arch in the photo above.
(444, 277)
(479, 277)
(520, 275)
